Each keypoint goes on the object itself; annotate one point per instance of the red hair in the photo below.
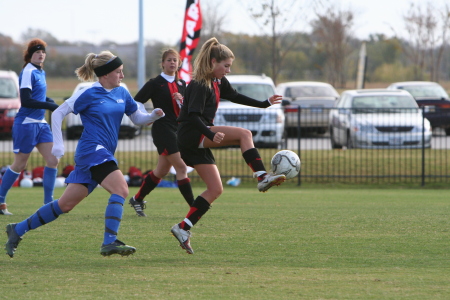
(29, 51)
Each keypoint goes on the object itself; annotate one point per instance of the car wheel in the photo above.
(138, 131)
(71, 135)
(131, 134)
(334, 145)
(322, 130)
(349, 141)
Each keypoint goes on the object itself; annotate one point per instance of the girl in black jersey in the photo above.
(197, 133)
(166, 91)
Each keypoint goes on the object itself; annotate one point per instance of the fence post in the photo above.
(299, 110)
(423, 146)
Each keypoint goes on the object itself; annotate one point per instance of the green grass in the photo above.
(285, 244)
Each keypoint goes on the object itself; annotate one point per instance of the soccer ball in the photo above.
(60, 182)
(26, 183)
(286, 162)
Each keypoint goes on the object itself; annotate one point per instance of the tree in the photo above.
(331, 33)
(213, 22)
(427, 36)
(277, 18)
(41, 34)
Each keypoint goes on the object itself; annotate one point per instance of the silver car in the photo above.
(266, 124)
(314, 99)
(378, 119)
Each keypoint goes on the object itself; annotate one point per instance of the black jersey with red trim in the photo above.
(202, 100)
(157, 89)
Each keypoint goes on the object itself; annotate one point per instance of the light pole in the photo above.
(141, 47)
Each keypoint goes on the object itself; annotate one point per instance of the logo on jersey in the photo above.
(120, 101)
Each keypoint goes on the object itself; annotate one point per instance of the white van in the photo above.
(266, 124)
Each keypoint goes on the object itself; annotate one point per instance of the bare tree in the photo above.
(277, 19)
(331, 32)
(214, 20)
(427, 33)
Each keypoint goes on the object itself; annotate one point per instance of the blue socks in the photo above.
(113, 216)
(45, 214)
(51, 211)
(48, 183)
(7, 182)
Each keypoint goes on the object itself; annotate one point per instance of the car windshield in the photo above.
(257, 91)
(309, 91)
(8, 88)
(418, 91)
(386, 103)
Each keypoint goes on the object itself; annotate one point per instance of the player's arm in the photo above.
(195, 119)
(57, 119)
(27, 101)
(141, 117)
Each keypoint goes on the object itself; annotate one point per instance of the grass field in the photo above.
(285, 244)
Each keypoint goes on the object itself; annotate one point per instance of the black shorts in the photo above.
(165, 138)
(189, 139)
(100, 172)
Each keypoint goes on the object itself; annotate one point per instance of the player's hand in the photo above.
(159, 112)
(58, 151)
(156, 114)
(218, 137)
(178, 99)
(275, 99)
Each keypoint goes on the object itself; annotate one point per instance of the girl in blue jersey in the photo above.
(197, 133)
(166, 91)
(30, 128)
(101, 108)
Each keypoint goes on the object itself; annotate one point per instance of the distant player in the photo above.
(166, 91)
(30, 128)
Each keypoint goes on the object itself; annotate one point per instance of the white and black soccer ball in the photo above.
(287, 163)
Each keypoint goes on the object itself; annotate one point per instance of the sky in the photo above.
(117, 20)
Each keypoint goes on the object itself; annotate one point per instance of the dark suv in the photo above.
(433, 98)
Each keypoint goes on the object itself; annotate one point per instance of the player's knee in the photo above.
(217, 191)
(246, 134)
(121, 191)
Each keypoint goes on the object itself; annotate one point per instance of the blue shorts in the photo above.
(82, 172)
(27, 136)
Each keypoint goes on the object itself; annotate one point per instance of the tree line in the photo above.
(329, 52)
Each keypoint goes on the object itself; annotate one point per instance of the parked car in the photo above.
(74, 126)
(378, 119)
(313, 98)
(433, 98)
(266, 124)
(9, 100)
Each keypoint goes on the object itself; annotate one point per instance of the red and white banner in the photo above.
(190, 37)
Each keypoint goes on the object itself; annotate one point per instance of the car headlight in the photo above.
(11, 113)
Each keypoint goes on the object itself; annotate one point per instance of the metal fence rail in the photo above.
(320, 162)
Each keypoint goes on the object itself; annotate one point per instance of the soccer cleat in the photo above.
(184, 237)
(117, 247)
(4, 210)
(13, 239)
(267, 181)
(138, 206)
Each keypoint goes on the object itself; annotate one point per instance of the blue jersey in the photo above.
(34, 79)
(101, 112)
